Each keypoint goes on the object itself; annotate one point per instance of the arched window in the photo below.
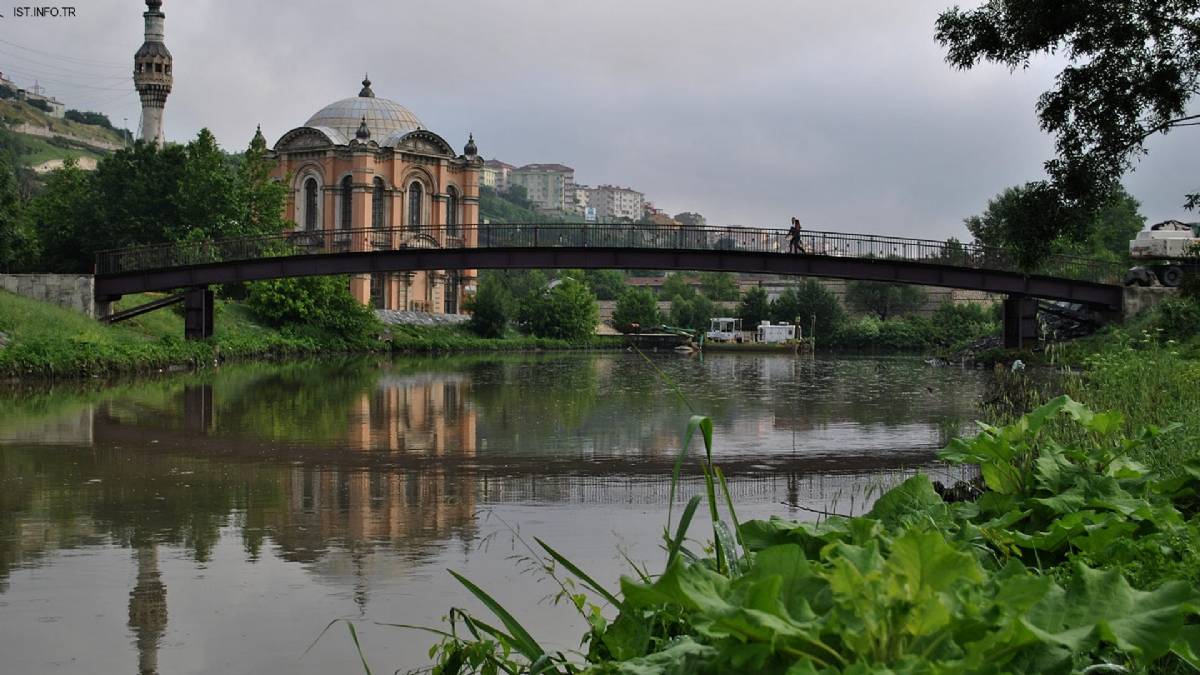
(377, 206)
(452, 221)
(310, 204)
(415, 199)
(451, 293)
(347, 202)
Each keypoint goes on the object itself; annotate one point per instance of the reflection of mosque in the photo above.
(351, 522)
(351, 514)
(148, 609)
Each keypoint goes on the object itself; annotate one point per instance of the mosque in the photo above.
(359, 164)
(366, 163)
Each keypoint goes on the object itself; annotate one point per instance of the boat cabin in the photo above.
(724, 329)
(775, 334)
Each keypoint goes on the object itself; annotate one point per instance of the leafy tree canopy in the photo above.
(17, 245)
(884, 299)
(491, 308)
(753, 308)
(1003, 223)
(1132, 71)
(567, 311)
(636, 306)
(606, 284)
(676, 284)
(816, 304)
(690, 219)
(719, 285)
(695, 312)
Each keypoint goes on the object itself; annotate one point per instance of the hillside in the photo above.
(41, 138)
(496, 207)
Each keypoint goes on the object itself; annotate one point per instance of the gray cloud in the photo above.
(843, 114)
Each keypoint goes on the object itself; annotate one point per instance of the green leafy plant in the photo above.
(1072, 557)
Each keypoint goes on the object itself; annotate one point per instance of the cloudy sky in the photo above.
(841, 113)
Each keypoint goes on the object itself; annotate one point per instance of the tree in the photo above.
(676, 284)
(786, 308)
(323, 304)
(753, 308)
(695, 312)
(517, 194)
(61, 215)
(953, 252)
(567, 311)
(205, 198)
(18, 248)
(1132, 73)
(260, 198)
(636, 305)
(884, 299)
(719, 285)
(490, 308)
(135, 198)
(814, 300)
(690, 219)
(606, 284)
(1003, 224)
(88, 117)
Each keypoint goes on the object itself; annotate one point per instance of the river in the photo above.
(217, 522)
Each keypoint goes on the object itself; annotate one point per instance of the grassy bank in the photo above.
(43, 340)
(422, 339)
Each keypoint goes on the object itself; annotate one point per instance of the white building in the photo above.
(613, 203)
(495, 174)
(583, 199)
(551, 187)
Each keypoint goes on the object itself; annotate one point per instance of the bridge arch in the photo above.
(426, 248)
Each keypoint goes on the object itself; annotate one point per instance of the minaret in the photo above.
(152, 74)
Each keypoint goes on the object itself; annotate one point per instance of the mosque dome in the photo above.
(383, 118)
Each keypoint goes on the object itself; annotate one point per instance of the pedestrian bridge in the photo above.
(198, 264)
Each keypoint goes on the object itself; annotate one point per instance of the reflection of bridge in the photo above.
(196, 265)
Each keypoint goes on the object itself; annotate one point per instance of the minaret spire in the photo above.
(152, 74)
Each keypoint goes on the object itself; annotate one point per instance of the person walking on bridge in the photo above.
(794, 245)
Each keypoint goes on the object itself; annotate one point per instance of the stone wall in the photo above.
(73, 291)
(1140, 298)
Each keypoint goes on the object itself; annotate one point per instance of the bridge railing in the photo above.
(577, 235)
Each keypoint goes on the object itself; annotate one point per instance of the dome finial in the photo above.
(363, 133)
(470, 150)
(366, 90)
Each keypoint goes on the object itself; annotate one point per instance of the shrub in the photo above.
(636, 306)
(567, 311)
(321, 304)
(490, 309)
(753, 308)
(1178, 317)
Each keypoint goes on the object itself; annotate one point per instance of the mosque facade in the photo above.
(365, 173)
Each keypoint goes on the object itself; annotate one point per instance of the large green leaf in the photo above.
(926, 562)
(914, 498)
(1101, 606)
(690, 586)
(681, 657)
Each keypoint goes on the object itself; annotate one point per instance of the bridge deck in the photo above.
(823, 254)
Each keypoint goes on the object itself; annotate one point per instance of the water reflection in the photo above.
(368, 475)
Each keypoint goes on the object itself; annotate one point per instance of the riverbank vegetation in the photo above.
(283, 318)
(1069, 554)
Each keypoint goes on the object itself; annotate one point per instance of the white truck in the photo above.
(1170, 251)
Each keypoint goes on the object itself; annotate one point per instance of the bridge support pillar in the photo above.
(198, 314)
(360, 288)
(1020, 321)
